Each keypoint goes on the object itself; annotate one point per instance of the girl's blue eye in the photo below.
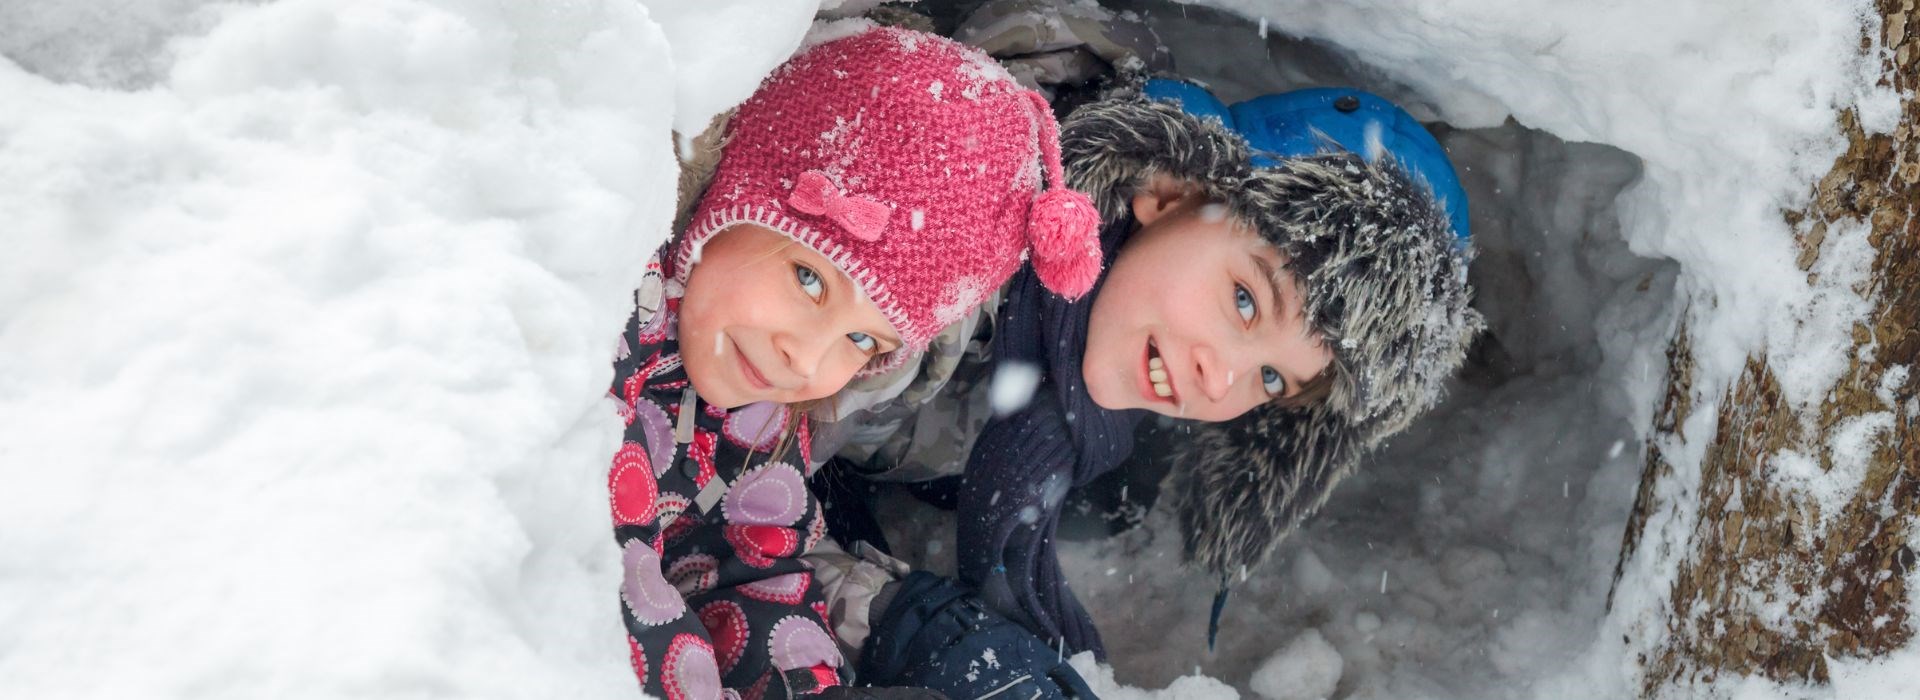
(863, 341)
(1243, 302)
(809, 280)
(1272, 381)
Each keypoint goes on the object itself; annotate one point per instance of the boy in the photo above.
(1289, 271)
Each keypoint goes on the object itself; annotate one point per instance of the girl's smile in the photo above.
(754, 378)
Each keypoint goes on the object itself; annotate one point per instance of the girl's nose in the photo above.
(1210, 373)
(802, 350)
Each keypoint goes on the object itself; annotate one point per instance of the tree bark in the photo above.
(1765, 584)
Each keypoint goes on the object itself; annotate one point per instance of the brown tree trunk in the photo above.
(1758, 548)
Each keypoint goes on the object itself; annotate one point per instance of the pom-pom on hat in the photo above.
(912, 162)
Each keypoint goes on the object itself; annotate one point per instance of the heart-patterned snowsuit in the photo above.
(712, 524)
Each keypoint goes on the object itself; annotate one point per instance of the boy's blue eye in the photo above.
(809, 280)
(863, 341)
(1243, 302)
(1272, 381)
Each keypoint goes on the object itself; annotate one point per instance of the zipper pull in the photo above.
(683, 427)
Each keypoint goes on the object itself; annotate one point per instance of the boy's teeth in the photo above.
(1157, 374)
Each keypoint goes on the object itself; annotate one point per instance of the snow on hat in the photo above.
(914, 164)
(1385, 282)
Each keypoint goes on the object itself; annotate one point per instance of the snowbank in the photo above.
(722, 49)
(305, 325)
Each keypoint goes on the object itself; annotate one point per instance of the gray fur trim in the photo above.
(1241, 487)
(1385, 286)
(1112, 146)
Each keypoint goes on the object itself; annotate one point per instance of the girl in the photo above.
(874, 189)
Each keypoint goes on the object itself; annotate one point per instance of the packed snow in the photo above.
(722, 49)
(1307, 668)
(306, 322)
(305, 327)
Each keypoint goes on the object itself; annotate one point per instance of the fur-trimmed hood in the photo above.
(1385, 286)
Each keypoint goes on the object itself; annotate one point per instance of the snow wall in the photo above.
(306, 308)
(305, 318)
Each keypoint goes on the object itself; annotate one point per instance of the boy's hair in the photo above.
(1313, 392)
(1385, 284)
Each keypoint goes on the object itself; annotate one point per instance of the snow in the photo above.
(1810, 343)
(306, 319)
(1307, 668)
(1850, 446)
(1013, 385)
(1890, 382)
(722, 48)
(1891, 676)
(305, 330)
(1099, 677)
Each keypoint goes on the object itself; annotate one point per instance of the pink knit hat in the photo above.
(913, 163)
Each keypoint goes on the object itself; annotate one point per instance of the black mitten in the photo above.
(936, 634)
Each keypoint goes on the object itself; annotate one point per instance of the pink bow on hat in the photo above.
(861, 216)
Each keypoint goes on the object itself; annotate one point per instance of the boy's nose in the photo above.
(1210, 373)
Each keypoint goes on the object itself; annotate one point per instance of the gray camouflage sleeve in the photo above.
(863, 417)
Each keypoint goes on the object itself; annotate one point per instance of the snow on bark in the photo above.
(1797, 563)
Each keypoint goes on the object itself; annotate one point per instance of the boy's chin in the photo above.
(1109, 399)
(1164, 409)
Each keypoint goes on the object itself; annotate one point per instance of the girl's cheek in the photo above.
(765, 308)
(848, 364)
(841, 373)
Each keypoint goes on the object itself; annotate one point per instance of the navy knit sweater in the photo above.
(1024, 463)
